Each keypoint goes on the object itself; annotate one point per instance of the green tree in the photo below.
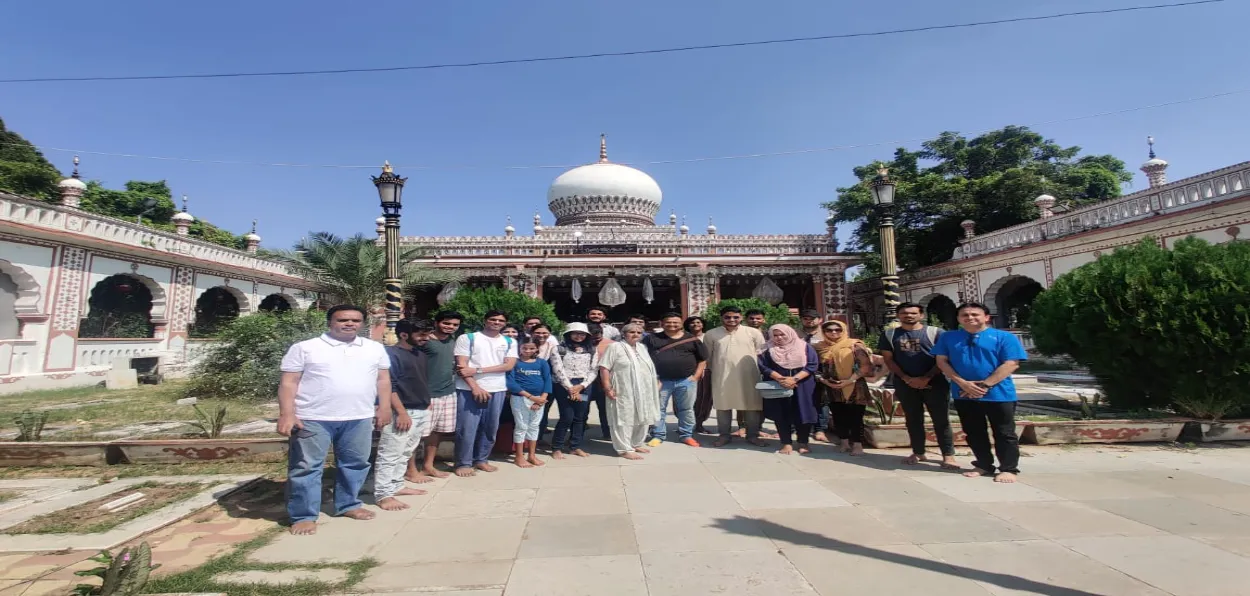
(1157, 327)
(24, 170)
(773, 315)
(128, 204)
(243, 364)
(991, 179)
(352, 269)
(474, 303)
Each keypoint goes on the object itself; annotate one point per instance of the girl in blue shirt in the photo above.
(529, 385)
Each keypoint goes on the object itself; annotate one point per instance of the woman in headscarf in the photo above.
(792, 363)
(578, 366)
(844, 362)
(703, 398)
(632, 390)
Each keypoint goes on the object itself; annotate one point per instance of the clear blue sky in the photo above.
(673, 106)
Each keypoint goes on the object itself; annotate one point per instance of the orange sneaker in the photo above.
(691, 442)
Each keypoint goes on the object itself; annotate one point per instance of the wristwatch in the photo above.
(477, 371)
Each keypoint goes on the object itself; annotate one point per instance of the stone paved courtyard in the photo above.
(745, 521)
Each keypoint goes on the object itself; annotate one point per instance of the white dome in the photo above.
(604, 194)
(73, 183)
(182, 216)
(1150, 163)
(251, 237)
(1044, 199)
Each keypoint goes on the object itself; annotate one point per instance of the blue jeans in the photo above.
(683, 392)
(352, 439)
(476, 427)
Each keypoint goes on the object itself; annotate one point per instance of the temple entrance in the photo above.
(797, 290)
(666, 290)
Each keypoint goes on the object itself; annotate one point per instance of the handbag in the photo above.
(772, 390)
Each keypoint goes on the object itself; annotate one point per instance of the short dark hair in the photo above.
(423, 326)
(594, 329)
(541, 326)
(637, 316)
(906, 305)
(985, 309)
(405, 326)
(494, 313)
(730, 309)
(755, 311)
(448, 315)
(334, 310)
(513, 326)
(598, 308)
(689, 320)
(671, 315)
(531, 318)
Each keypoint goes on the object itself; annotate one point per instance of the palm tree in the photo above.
(352, 269)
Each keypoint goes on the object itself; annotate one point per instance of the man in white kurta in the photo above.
(632, 391)
(732, 351)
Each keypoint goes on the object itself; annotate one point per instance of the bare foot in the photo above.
(758, 442)
(418, 478)
(642, 450)
(721, 442)
(465, 472)
(557, 454)
(764, 435)
(360, 514)
(410, 492)
(845, 447)
(1005, 477)
(975, 472)
(435, 472)
(740, 433)
(304, 528)
(949, 463)
(786, 450)
(390, 504)
(822, 437)
(857, 449)
(486, 467)
(913, 459)
(804, 450)
(521, 462)
(580, 453)
(631, 455)
(537, 462)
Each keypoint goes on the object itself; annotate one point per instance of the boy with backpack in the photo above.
(483, 360)
(918, 384)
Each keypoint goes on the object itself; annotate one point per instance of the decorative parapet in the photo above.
(1219, 185)
(648, 241)
(55, 218)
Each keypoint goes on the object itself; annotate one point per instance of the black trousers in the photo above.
(937, 398)
(1000, 418)
(848, 421)
(788, 421)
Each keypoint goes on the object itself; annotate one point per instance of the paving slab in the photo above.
(985, 490)
(649, 473)
(507, 477)
(680, 497)
(825, 528)
(567, 477)
(338, 540)
(689, 532)
(1183, 517)
(751, 573)
(892, 490)
(893, 569)
(1088, 486)
(585, 500)
(1179, 483)
(958, 522)
(754, 471)
(578, 535)
(442, 577)
(480, 504)
(783, 494)
(461, 539)
(286, 576)
(1029, 567)
(614, 575)
(1181, 566)
(1066, 519)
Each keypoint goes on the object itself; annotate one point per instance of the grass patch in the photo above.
(201, 579)
(6, 495)
(88, 518)
(101, 409)
(138, 470)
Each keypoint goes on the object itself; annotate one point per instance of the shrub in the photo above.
(244, 364)
(1157, 327)
(473, 303)
(772, 314)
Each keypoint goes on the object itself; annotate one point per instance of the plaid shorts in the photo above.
(442, 415)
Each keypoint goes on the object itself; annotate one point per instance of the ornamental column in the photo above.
(700, 288)
(832, 283)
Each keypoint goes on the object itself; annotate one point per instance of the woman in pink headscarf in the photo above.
(792, 363)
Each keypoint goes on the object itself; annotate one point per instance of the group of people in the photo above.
(434, 384)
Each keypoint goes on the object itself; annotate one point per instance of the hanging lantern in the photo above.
(612, 293)
(576, 291)
(768, 291)
(448, 292)
(648, 293)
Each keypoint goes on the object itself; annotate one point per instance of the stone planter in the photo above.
(175, 451)
(1225, 430)
(1103, 431)
(53, 453)
(885, 436)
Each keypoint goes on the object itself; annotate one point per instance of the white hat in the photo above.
(571, 327)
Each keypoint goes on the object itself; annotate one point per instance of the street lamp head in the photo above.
(390, 189)
(149, 203)
(883, 187)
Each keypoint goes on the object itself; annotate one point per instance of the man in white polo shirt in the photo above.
(329, 394)
(483, 360)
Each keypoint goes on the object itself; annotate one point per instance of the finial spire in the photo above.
(253, 226)
(1150, 141)
(184, 203)
(603, 148)
(386, 167)
(75, 174)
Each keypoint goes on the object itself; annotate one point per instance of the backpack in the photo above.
(507, 344)
(930, 332)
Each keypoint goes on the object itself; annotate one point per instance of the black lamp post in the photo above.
(883, 196)
(390, 189)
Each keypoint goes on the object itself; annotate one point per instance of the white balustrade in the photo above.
(97, 353)
(18, 356)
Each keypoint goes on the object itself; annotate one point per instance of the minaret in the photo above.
(508, 230)
(684, 229)
(1156, 169)
(252, 240)
(711, 227)
(538, 223)
(969, 227)
(1044, 203)
(72, 188)
(182, 220)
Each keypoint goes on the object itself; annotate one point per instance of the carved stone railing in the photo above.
(562, 241)
(100, 352)
(37, 214)
(1220, 185)
(18, 356)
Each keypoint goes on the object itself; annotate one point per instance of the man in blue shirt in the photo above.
(979, 361)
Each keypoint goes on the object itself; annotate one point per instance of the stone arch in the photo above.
(1011, 292)
(941, 306)
(159, 300)
(95, 326)
(213, 309)
(274, 303)
(27, 288)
